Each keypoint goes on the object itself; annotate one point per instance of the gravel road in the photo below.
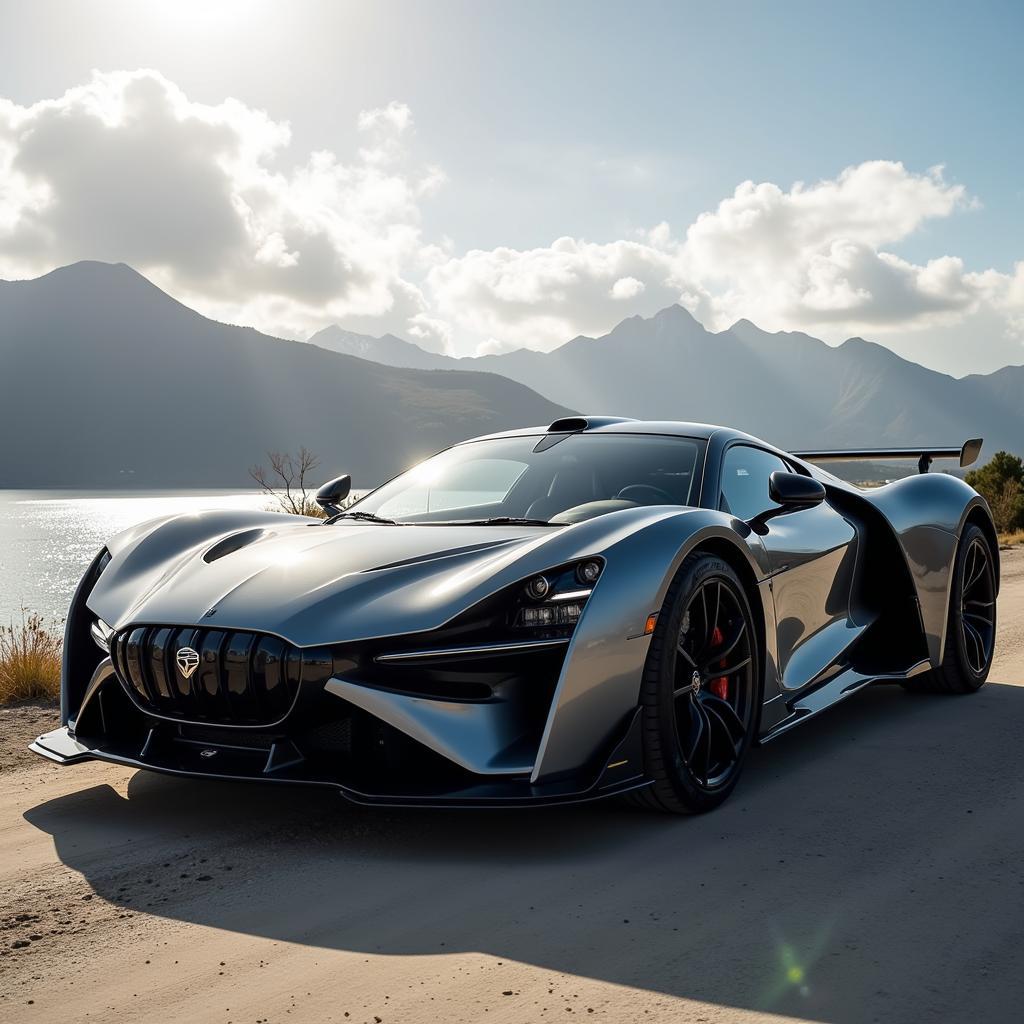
(868, 868)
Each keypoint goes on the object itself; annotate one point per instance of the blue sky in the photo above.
(600, 121)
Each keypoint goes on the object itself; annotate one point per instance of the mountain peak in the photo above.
(111, 281)
(387, 349)
(95, 270)
(674, 313)
(136, 383)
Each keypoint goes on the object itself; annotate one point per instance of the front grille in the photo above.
(242, 678)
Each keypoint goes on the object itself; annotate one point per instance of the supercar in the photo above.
(600, 606)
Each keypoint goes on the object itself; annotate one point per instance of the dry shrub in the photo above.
(288, 482)
(30, 657)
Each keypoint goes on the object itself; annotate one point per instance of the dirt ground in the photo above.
(869, 868)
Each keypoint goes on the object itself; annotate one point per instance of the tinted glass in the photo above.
(479, 482)
(580, 476)
(745, 473)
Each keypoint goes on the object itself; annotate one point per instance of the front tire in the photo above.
(701, 689)
(971, 626)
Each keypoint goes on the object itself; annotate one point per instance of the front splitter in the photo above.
(60, 747)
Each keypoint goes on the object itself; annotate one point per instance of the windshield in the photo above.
(551, 479)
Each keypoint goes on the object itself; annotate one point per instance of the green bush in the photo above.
(1001, 483)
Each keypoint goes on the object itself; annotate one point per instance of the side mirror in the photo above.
(333, 493)
(793, 491)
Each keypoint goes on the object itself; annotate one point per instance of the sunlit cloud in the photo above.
(541, 297)
(212, 203)
(814, 257)
(202, 199)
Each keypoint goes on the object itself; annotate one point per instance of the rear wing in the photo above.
(967, 453)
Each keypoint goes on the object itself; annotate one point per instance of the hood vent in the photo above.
(235, 542)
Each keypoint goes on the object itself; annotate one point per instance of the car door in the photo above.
(811, 556)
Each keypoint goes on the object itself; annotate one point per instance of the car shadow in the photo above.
(867, 868)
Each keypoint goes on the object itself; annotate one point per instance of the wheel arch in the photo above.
(599, 686)
(928, 513)
(979, 515)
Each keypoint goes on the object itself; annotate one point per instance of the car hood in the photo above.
(312, 584)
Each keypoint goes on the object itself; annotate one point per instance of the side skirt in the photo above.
(837, 689)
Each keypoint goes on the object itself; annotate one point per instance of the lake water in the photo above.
(48, 538)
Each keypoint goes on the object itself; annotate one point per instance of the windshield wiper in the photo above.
(368, 517)
(509, 521)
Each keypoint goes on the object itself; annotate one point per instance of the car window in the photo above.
(483, 482)
(745, 473)
(558, 479)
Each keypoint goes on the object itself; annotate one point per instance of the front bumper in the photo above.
(347, 738)
(191, 760)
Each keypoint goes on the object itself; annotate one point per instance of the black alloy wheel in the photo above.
(701, 689)
(978, 607)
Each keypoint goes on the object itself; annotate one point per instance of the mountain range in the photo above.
(789, 388)
(105, 380)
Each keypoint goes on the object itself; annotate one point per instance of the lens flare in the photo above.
(794, 965)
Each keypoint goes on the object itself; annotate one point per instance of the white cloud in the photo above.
(395, 117)
(212, 204)
(815, 257)
(495, 347)
(539, 298)
(627, 288)
(128, 168)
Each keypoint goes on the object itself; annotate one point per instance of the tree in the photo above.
(1001, 483)
(288, 482)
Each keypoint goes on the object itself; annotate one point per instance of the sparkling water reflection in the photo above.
(47, 538)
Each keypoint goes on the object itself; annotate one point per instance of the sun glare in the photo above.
(202, 15)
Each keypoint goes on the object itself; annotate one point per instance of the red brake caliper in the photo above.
(720, 686)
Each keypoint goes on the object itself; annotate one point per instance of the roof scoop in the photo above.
(574, 424)
(569, 425)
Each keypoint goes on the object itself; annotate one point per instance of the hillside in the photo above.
(105, 380)
(787, 387)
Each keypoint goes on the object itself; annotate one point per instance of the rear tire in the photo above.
(971, 626)
(700, 693)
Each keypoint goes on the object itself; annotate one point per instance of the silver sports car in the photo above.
(597, 607)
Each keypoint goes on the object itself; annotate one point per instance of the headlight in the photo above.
(552, 614)
(552, 603)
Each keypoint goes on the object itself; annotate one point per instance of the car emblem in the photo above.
(188, 661)
(207, 753)
(695, 682)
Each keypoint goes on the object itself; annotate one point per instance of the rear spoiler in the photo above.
(967, 453)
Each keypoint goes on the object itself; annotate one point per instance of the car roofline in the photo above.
(611, 425)
(615, 425)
